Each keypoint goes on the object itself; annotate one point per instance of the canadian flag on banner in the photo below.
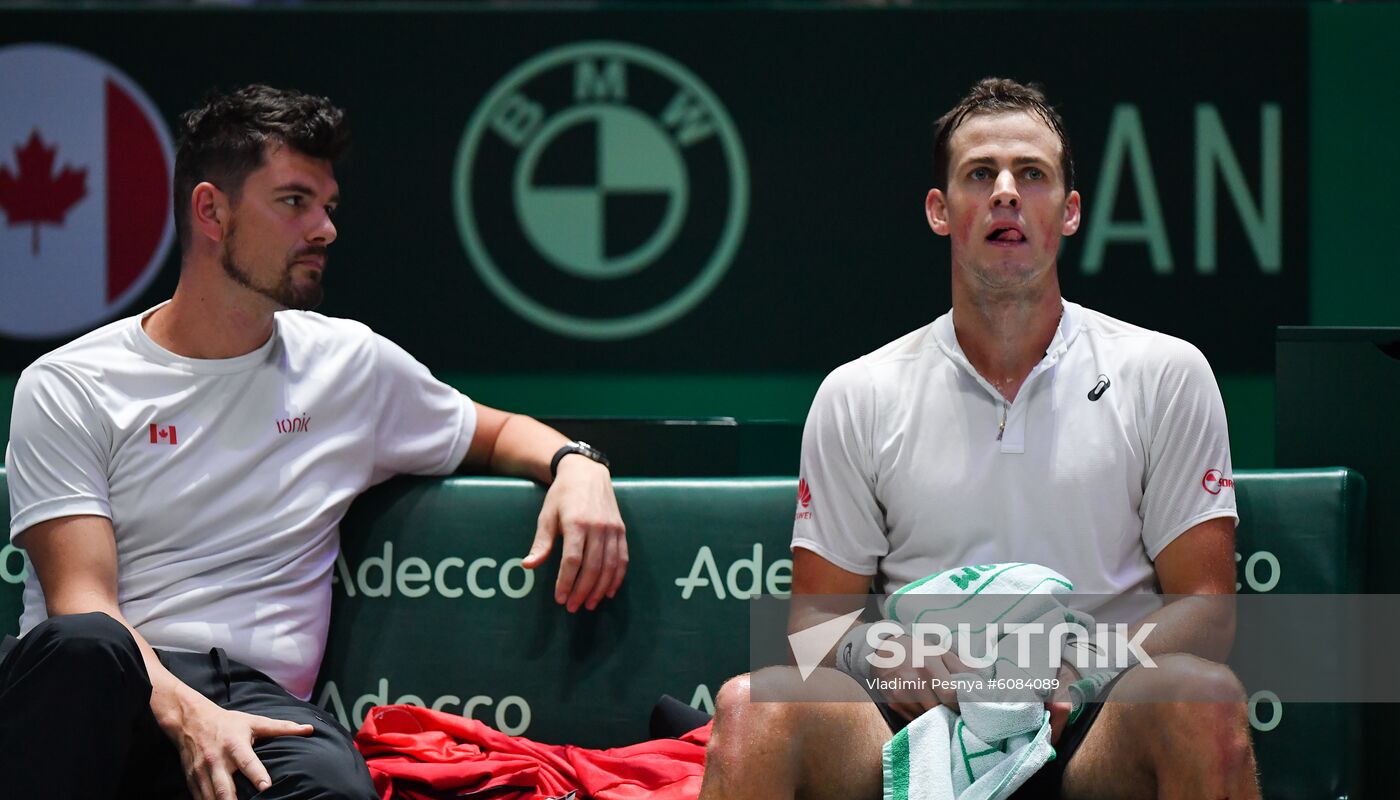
(85, 166)
(162, 434)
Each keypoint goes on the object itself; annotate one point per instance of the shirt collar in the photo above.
(1065, 334)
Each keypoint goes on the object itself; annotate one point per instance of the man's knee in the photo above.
(760, 700)
(1213, 709)
(734, 719)
(1185, 679)
(93, 644)
(741, 724)
(92, 633)
(777, 734)
(1201, 706)
(732, 698)
(778, 702)
(323, 765)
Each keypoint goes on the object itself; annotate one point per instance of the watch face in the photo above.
(584, 448)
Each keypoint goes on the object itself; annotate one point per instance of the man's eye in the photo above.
(1035, 174)
(330, 210)
(294, 201)
(980, 174)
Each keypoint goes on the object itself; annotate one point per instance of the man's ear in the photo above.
(936, 209)
(209, 212)
(1071, 214)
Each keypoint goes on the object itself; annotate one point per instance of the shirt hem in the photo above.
(463, 438)
(849, 566)
(55, 507)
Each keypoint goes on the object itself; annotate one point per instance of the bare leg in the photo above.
(1194, 746)
(809, 750)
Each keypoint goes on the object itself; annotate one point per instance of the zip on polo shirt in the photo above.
(1013, 415)
(1011, 426)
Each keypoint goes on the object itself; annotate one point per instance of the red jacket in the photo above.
(418, 754)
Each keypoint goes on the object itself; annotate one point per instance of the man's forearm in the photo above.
(822, 591)
(807, 611)
(1197, 568)
(512, 444)
(524, 447)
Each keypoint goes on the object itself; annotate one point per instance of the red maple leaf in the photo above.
(36, 195)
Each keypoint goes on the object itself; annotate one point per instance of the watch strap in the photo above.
(581, 448)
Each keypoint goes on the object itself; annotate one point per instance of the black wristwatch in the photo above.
(582, 448)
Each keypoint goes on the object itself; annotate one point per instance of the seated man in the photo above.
(1018, 427)
(178, 479)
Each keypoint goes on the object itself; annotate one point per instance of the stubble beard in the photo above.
(284, 293)
(1004, 282)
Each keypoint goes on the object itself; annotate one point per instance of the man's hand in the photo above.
(76, 561)
(1059, 703)
(936, 675)
(216, 743)
(581, 507)
(909, 704)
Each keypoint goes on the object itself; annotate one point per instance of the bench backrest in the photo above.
(432, 606)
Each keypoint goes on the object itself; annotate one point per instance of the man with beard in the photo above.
(178, 479)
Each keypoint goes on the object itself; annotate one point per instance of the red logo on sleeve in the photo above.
(162, 434)
(804, 499)
(1214, 481)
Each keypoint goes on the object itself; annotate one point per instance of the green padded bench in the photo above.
(432, 606)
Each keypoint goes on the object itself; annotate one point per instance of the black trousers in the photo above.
(75, 720)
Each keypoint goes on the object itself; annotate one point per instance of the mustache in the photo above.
(310, 250)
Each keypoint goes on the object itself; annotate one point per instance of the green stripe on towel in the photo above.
(897, 767)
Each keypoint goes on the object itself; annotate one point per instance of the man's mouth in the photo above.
(1006, 235)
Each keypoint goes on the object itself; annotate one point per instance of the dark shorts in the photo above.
(1045, 783)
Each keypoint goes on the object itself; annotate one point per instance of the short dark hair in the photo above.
(999, 96)
(225, 139)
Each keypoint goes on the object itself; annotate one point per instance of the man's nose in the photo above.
(1004, 191)
(324, 233)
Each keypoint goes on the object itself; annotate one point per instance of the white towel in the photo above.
(994, 746)
(938, 757)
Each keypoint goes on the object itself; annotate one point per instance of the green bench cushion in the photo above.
(432, 607)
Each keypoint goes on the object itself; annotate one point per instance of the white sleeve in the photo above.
(57, 460)
(1189, 475)
(838, 516)
(424, 426)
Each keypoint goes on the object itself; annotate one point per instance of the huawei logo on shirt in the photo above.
(804, 499)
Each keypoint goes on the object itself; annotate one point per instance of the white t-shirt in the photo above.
(226, 479)
(907, 468)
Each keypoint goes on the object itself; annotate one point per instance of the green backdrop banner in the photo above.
(663, 190)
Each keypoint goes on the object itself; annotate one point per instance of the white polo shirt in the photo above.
(226, 479)
(912, 463)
